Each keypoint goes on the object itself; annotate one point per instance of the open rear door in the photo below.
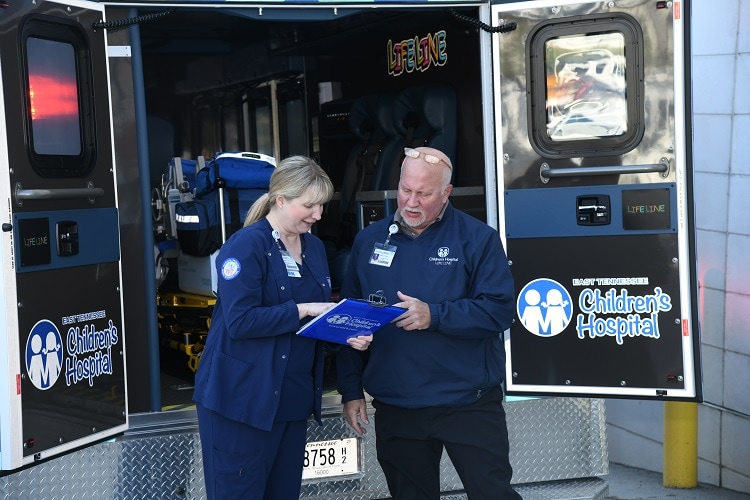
(61, 327)
(597, 197)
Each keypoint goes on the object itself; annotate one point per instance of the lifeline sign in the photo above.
(417, 53)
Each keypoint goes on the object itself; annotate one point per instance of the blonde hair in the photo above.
(292, 178)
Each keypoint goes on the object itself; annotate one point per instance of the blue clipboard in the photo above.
(350, 318)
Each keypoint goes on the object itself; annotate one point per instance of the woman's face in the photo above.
(299, 214)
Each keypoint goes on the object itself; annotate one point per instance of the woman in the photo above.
(258, 382)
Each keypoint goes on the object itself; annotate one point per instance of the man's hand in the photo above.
(418, 315)
(355, 412)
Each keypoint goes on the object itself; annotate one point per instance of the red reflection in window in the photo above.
(52, 98)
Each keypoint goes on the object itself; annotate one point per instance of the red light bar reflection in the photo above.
(52, 98)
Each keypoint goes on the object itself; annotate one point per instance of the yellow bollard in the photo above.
(680, 444)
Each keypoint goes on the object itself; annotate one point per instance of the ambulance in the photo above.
(568, 123)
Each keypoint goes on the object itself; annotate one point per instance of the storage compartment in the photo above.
(197, 274)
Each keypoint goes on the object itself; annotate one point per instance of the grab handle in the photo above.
(89, 192)
(546, 173)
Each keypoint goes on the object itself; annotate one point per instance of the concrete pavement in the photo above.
(627, 483)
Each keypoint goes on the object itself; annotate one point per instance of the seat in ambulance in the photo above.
(383, 125)
(371, 123)
(422, 116)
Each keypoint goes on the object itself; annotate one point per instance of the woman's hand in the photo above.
(314, 308)
(361, 342)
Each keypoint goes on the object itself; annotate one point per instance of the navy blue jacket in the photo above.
(242, 367)
(458, 266)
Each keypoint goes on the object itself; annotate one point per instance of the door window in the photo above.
(59, 109)
(586, 80)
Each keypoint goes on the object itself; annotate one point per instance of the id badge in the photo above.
(382, 254)
(291, 265)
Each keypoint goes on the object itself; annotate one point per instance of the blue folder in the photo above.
(350, 318)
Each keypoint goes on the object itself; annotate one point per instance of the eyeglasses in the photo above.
(431, 159)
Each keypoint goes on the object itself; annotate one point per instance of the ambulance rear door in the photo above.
(61, 336)
(596, 198)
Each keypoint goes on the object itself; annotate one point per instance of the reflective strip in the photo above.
(188, 219)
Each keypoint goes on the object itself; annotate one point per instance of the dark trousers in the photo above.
(244, 463)
(410, 444)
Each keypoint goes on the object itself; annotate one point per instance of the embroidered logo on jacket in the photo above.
(442, 258)
(230, 269)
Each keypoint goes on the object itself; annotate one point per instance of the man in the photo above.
(435, 373)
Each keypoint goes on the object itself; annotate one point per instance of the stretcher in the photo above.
(183, 321)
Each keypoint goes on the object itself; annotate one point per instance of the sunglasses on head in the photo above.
(431, 159)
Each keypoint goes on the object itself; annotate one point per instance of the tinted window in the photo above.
(586, 87)
(53, 97)
(586, 82)
(58, 90)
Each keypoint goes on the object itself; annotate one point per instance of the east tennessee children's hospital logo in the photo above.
(353, 323)
(44, 355)
(544, 307)
(339, 319)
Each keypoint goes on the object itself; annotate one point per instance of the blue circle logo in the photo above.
(230, 269)
(544, 307)
(44, 355)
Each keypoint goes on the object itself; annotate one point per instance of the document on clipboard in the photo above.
(350, 318)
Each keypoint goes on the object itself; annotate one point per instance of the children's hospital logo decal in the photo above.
(545, 308)
(44, 355)
(84, 354)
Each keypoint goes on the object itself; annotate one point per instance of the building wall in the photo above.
(721, 140)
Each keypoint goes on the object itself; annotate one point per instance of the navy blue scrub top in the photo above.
(297, 389)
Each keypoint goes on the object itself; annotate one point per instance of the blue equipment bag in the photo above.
(235, 170)
(188, 169)
(198, 223)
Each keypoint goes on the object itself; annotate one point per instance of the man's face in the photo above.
(421, 194)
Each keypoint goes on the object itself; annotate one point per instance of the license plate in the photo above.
(338, 457)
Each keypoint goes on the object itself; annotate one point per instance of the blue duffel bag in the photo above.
(235, 170)
(198, 225)
(238, 178)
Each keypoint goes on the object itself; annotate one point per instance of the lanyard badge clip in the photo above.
(383, 253)
(292, 269)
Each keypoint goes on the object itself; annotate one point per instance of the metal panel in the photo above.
(555, 439)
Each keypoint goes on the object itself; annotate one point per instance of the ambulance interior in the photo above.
(348, 87)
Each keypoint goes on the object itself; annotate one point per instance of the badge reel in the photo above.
(383, 253)
(292, 270)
